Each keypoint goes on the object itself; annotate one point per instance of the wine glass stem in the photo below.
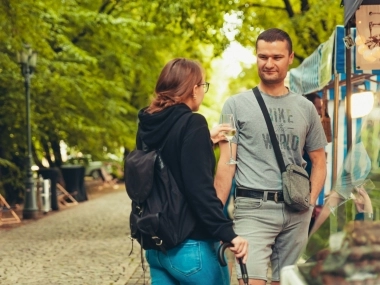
(229, 142)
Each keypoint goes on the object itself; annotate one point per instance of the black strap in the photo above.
(273, 138)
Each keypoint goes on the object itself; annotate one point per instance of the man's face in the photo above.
(318, 105)
(273, 60)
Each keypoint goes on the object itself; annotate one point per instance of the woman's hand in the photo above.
(217, 133)
(240, 248)
(362, 201)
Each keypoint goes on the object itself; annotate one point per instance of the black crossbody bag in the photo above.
(295, 180)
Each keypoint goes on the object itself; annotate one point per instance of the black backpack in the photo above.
(160, 218)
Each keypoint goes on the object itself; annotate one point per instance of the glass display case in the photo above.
(344, 243)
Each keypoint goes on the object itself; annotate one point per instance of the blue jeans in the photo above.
(193, 262)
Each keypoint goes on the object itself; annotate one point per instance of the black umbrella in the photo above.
(223, 262)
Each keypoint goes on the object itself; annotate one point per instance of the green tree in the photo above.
(308, 22)
(99, 60)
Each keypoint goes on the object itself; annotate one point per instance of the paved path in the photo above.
(86, 244)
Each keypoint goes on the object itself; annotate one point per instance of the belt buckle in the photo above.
(276, 197)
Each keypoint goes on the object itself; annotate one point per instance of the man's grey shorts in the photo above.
(275, 234)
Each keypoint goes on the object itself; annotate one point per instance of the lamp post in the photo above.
(27, 59)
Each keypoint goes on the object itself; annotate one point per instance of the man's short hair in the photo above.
(273, 35)
(312, 96)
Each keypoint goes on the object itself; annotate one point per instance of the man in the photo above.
(275, 232)
(317, 101)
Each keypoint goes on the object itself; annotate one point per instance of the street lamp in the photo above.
(27, 59)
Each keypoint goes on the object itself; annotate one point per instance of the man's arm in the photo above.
(225, 172)
(318, 173)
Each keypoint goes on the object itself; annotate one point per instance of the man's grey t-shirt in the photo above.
(297, 127)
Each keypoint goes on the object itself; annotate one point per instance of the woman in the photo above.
(189, 155)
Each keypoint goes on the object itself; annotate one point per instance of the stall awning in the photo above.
(317, 70)
(350, 7)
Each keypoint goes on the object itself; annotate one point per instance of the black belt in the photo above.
(259, 194)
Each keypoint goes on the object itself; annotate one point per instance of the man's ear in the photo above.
(291, 58)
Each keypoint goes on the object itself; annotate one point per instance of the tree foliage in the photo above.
(308, 22)
(98, 61)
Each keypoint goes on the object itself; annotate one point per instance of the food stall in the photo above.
(344, 245)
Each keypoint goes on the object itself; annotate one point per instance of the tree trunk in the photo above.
(46, 148)
(57, 152)
(37, 161)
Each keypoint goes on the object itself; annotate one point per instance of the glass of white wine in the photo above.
(228, 119)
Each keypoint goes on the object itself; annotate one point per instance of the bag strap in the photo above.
(273, 138)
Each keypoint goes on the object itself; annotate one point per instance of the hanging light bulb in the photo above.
(361, 104)
(359, 40)
(376, 52)
(368, 55)
(362, 48)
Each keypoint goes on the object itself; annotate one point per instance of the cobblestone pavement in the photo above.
(84, 244)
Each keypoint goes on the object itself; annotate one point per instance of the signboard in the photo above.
(368, 37)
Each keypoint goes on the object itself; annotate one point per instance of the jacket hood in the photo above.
(153, 128)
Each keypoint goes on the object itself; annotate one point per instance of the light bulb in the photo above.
(367, 55)
(362, 48)
(361, 104)
(359, 40)
(376, 52)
